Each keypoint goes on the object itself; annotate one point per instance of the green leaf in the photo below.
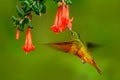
(19, 12)
(15, 20)
(21, 25)
(30, 25)
(35, 9)
(26, 20)
(30, 1)
(42, 1)
(43, 10)
(68, 1)
(26, 6)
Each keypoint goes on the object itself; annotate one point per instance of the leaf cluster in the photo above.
(24, 13)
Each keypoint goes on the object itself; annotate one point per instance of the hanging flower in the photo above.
(65, 18)
(17, 34)
(62, 19)
(28, 42)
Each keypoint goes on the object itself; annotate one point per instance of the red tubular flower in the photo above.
(28, 42)
(62, 19)
(66, 20)
(57, 24)
(17, 34)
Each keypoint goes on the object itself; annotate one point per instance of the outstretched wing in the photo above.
(92, 46)
(62, 46)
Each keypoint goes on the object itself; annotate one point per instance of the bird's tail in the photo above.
(97, 68)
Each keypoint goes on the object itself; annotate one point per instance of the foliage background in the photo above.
(97, 21)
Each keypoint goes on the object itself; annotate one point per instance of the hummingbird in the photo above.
(78, 48)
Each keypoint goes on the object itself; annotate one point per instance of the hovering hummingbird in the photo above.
(78, 48)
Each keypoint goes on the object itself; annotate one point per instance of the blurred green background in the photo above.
(97, 21)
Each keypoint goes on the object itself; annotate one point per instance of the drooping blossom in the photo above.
(62, 20)
(28, 42)
(17, 34)
(65, 19)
